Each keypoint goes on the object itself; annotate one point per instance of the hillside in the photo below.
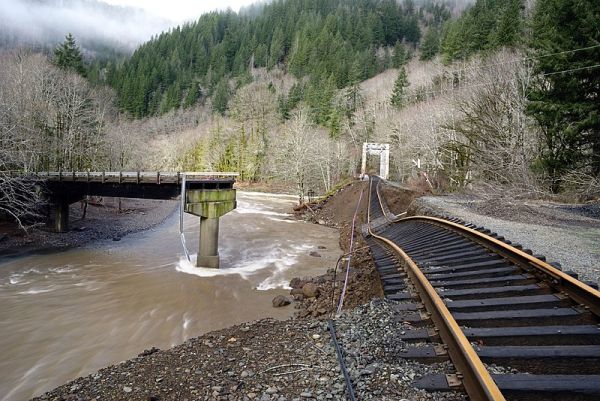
(331, 43)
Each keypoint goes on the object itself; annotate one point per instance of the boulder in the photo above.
(310, 290)
(296, 291)
(280, 301)
(296, 282)
(315, 254)
(299, 297)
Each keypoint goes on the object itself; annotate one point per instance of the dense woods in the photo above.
(502, 94)
(333, 43)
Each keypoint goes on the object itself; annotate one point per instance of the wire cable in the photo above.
(343, 294)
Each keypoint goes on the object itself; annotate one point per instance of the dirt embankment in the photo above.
(104, 220)
(320, 296)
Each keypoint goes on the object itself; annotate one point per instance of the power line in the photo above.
(442, 91)
(527, 59)
(571, 70)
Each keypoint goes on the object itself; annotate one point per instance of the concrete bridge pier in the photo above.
(60, 205)
(61, 217)
(208, 255)
(210, 205)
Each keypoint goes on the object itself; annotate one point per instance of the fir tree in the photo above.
(565, 104)
(398, 98)
(220, 97)
(400, 57)
(68, 56)
(430, 45)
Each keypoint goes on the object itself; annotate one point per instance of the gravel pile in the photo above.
(370, 337)
(265, 360)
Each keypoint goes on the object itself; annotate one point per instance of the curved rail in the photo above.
(476, 379)
(518, 309)
(580, 292)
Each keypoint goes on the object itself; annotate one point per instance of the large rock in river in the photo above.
(280, 301)
(297, 282)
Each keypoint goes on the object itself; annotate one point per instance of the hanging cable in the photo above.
(181, 210)
(343, 294)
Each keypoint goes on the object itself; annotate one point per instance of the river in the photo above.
(71, 313)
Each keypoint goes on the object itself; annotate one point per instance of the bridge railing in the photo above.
(136, 177)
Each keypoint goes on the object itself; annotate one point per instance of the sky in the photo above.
(182, 10)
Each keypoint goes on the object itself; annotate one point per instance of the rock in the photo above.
(116, 239)
(322, 247)
(296, 291)
(127, 389)
(150, 351)
(315, 254)
(271, 390)
(299, 297)
(247, 373)
(306, 394)
(280, 301)
(310, 290)
(321, 222)
(296, 282)
(303, 313)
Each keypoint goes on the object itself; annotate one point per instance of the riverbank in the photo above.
(104, 220)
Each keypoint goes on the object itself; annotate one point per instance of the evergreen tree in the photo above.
(430, 45)
(398, 98)
(565, 104)
(510, 25)
(220, 97)
(400, 57)
(486, 26)
(68, 56)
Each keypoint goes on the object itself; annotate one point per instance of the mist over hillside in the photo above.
(96, 25)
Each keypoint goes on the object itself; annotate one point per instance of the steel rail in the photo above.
(580, 292)
(477, 381)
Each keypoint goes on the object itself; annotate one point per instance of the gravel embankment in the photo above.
(370, 335)
(264, 360)
(271, 360)
(568, 234)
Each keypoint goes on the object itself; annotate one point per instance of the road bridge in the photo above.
(208, 195)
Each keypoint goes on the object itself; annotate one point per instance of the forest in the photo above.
(499, 96)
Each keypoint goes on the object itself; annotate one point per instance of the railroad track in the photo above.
(478, 299)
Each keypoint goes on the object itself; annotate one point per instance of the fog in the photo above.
(93, 23)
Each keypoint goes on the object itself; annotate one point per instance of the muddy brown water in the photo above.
(71, 313)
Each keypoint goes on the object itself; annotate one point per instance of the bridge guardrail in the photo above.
(136, 177)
